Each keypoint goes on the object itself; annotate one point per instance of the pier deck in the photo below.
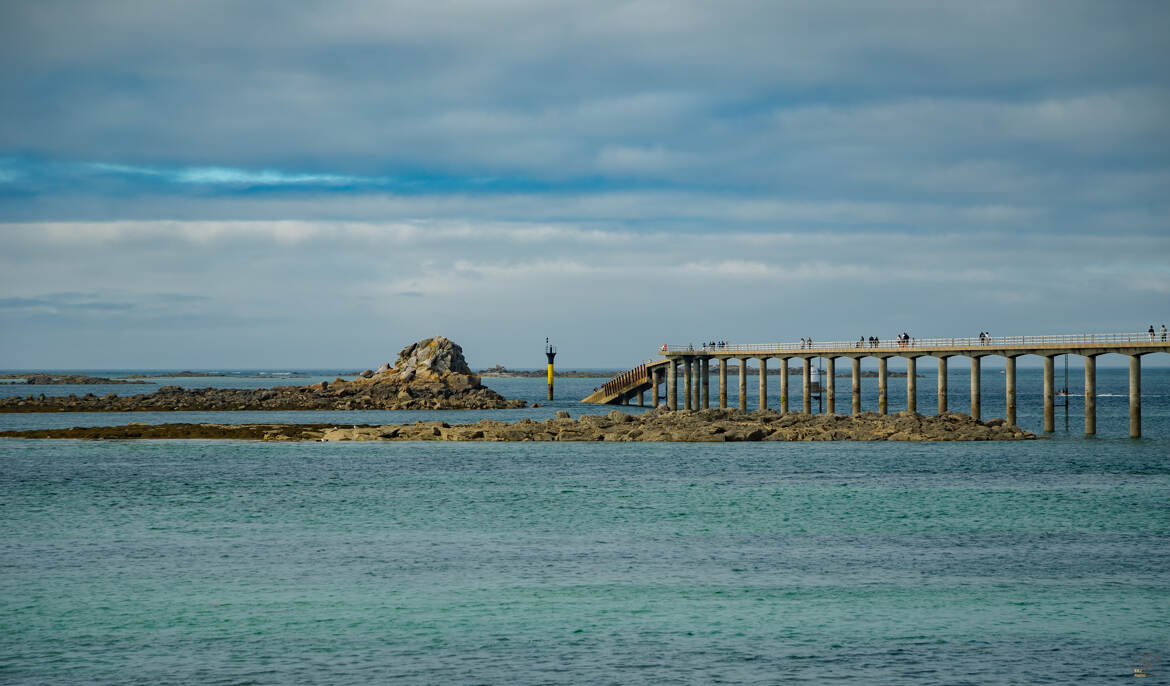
(695, 360)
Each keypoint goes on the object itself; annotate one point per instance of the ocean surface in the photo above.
(544, 563)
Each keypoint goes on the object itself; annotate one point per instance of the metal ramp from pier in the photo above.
(629, 384)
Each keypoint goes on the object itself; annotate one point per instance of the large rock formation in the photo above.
(428, 375)
(656, 425)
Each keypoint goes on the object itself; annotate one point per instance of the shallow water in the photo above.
(240, 562)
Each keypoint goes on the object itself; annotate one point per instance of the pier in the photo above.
(694, 364)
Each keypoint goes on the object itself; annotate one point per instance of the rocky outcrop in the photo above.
(712, 426)
(428, 375)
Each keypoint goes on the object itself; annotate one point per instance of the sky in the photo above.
(204, 184)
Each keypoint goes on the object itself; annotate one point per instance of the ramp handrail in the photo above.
(627, 378)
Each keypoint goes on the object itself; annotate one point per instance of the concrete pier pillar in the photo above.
(743, 384)
(1090, 395)
(976, 391)
(883, 378)
(806, 383)
(855, 406)
(942, 385)
(783, 385)
(688, 383)
(911, 384)
(705, 373)
(763, 383)
(723, 382)
(830, 382)
(642, 398)
(696, 367)
(1009, 394)
(653, 388)
(672, 385)
(1049, 394)
(1135, 396)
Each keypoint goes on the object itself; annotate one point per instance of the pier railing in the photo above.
(894, 344)
(630, 378)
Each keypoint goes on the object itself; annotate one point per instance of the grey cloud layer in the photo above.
(347, 293)
(325, 181)
(812, 95)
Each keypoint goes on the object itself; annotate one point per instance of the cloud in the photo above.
(620, 172)
(201, 290)
(73, 305)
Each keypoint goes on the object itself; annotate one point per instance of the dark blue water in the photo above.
(241, 562)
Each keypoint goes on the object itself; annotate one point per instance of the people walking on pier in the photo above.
(1163, 333)
(1151, 333)
(802, 346)
(810, 345)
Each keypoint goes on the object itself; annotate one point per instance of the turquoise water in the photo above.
(237, 562)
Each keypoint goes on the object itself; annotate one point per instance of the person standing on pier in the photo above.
(1163, 333)
(1151, 332)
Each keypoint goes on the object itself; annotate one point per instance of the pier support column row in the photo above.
(723, 382)
(783, 385)
(672, 385)
(1049, 394)
(976, 391)
(1135, 396)
(911, 384)
(696, 392)
(1009, 396)
(763, 383)
(830, 383)
(942, 385)
(855, 406)
(696, 398)
(806, 384)
(743, 384)
(705, 371)
(1090, 395)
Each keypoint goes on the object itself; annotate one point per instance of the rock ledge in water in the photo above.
(656, 425)
(429, 375)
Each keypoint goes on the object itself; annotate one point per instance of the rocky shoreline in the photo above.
(658, 425)
(429, 375)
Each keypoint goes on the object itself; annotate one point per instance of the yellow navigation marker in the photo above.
(550, 352)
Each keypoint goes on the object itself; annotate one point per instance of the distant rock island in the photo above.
(502, 372)
(176, 375)
(659, 425)
(208, 375)
(428, 375)
(46, 379)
